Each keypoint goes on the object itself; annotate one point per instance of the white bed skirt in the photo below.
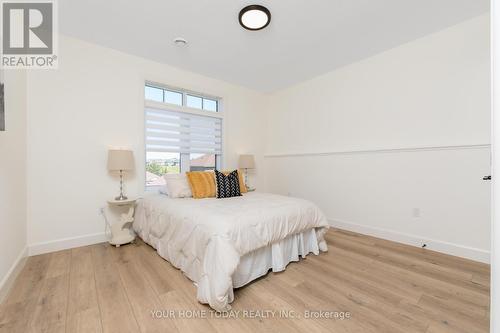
(257, 263)
(275, 257)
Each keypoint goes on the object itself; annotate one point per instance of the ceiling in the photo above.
(305, 38)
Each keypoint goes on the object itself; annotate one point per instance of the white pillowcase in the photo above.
(177, 186)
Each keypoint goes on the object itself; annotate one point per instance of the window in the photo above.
(209, 104)
(202, 162)
(172, 97)
(181, 98)
(179, 139)
(194, 102)
(159, 164)
(153, 94)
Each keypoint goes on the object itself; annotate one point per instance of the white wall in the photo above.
(96, 100)
(434, 91)
(13, 179)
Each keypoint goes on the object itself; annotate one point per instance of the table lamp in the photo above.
(120, 160)
(246, 162)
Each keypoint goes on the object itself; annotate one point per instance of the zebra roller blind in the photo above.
(180, 132)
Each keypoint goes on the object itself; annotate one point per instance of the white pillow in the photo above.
(178, 186)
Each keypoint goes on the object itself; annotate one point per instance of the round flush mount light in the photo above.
(255, 17)
(179, 41)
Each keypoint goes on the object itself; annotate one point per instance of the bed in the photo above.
(221, 244)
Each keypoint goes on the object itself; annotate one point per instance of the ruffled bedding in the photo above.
(206, 238)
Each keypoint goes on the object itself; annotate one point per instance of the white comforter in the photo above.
(205, 238)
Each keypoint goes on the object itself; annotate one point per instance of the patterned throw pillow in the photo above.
(227, 186)
(243, 187)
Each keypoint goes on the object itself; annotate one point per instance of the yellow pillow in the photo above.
(202, 184)
(243, 187)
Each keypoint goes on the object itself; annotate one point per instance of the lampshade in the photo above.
(246, 162)
(120, 160)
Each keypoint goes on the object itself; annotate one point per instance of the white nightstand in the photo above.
(119, 215)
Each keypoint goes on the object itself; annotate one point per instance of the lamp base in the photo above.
(121, 197)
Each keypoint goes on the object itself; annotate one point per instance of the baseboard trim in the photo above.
(417, 241)
(66, 243)
(8, 280)
(414, 240)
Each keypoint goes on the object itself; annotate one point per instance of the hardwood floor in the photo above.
(384, 286)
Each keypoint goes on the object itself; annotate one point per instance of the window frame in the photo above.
(184, 157)
(184, 93)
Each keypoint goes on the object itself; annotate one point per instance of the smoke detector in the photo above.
(179, 41)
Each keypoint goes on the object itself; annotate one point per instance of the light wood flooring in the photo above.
(386, 287)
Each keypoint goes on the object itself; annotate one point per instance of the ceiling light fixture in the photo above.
(255, 17)
(179, 41)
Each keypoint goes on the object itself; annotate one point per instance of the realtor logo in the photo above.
(28, 34)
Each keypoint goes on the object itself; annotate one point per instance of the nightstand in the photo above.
(119, 215)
